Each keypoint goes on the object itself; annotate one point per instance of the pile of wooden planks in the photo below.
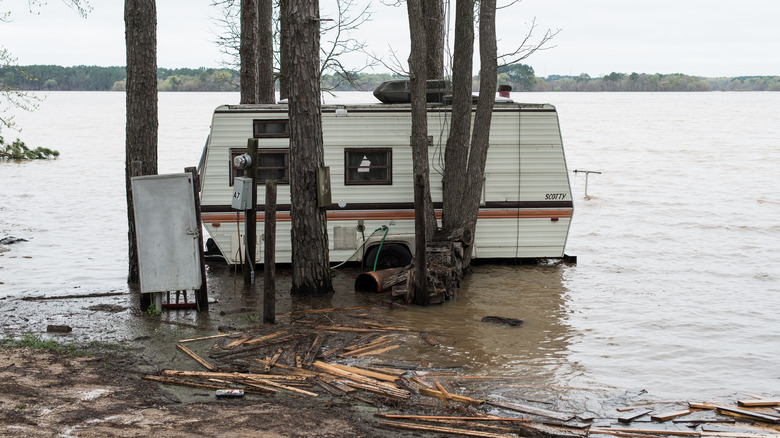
(335, 351)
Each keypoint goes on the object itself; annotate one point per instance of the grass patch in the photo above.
(35, 342)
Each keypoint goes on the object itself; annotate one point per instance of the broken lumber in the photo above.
(378, 351)
(288, 388)
(727, 410)
(367, 373)
(532, 410)
(197, 358)
(445, 417)
(669, 415)
(230, 376)
(453, 397)
(338, 372)
(758, 403)
(221, 335)
(441, 429)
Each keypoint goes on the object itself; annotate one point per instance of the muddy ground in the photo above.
(47, 394)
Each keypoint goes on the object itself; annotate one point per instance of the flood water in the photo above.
(676, 290)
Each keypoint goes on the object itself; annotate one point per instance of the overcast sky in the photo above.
(708, 38)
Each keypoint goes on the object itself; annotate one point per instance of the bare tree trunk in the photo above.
(311, 267)
(433, 13)
(248, 52)
(457, 152)
(283, 51)
(265, 53)
(480, 137)
(141, 125)
(417, 67)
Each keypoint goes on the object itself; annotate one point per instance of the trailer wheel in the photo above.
(391, 256)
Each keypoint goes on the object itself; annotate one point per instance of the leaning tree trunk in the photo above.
(265, 54)
(141, 95)
(433, 13)
(310, 264)
(248, 52)
(457, 151)
(480, 139)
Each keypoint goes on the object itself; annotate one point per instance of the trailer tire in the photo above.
(391, 256)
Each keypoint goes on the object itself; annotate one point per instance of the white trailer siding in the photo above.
(526, 198)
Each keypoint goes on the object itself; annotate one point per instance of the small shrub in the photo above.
(19, 151)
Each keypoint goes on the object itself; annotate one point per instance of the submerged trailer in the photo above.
(526, 206)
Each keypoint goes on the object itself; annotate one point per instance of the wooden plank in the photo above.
(314, 350)
(758, 403)
(197, 358)
(238, 342)
(221, 335)
(669, 415)
(728, 410)
(441, 429)
(379, 351)
(285, 387)
(229, 376)
(265, 338)
(367, 373)
(532, 410)
(400, 394)
(453, 397)
(623, 432)
(447, 396)
(357, 345)
(633, 415)
(697, 405)
(368, 347)
(338, 372)
(444, 417)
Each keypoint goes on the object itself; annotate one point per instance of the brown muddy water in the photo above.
(676, 292)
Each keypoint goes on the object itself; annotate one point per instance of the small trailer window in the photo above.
(272, 164)
(271, 128)
(368, 166)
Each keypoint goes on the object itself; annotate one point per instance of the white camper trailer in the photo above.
(526, 206)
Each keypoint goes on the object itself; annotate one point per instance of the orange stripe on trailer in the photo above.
(398, 215)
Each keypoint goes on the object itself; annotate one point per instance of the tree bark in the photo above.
(141, 106)
(457, 151)
(422, 198)
(480, 137)
(248, 51)
(433, 13)
(311, 266)
(284, 56)
(265, 53)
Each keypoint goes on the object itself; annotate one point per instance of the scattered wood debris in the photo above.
(332, 352)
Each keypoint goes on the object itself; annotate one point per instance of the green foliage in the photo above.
(19, 151)
(521, 76)
(152, 311)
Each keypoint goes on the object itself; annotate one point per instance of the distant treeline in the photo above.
(521, 77)
(92, 78)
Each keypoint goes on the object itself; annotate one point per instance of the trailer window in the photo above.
(271, 128)
(272, 164)
(368, 166)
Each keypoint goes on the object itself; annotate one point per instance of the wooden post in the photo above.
(420, 264)
(250, 221)
(202, 294)
(269, 264)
